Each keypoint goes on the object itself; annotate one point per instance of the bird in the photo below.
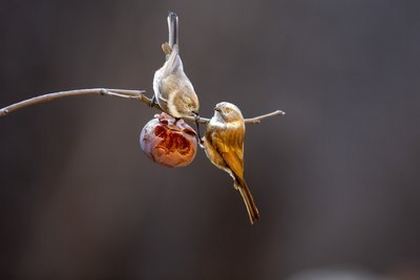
(173, 90)
(223, 144)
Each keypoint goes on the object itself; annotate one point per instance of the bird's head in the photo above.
(184, 105)
(228, 112)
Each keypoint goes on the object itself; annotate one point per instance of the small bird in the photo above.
(223, 143)
(173, 91)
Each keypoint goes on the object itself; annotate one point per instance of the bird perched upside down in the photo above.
(224, 146)
(173, 91)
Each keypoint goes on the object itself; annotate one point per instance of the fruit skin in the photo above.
(169, 142)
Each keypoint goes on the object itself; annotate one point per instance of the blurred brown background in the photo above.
(336, 180)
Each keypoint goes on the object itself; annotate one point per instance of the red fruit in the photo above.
(169, 142)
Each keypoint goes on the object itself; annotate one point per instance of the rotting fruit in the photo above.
(169, 142)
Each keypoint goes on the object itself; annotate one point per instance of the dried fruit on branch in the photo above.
(170, 142)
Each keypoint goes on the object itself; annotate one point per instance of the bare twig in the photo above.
(253, 120)
(132, 94)
(122, 93)
(258, 119)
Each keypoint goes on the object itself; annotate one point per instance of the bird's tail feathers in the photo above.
(248, 199)
(173, 27)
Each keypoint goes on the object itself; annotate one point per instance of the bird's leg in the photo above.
(176, 120)
(198, 132)
(197, 124)
(153, 101)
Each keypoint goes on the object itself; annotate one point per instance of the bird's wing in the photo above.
(159, 91)
(173, 62)
(212, 154)
(229, 144)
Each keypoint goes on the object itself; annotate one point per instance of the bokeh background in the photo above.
(337, 180)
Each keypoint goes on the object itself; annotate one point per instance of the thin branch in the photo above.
(258, 119)
(122, 93)
(254, 120)
(133, 94)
